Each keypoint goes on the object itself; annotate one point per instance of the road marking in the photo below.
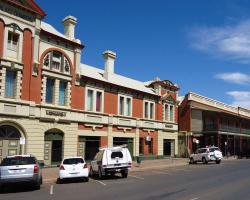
(137, 177)
(195, 198)
(100, 182)
(51, 189)
(160, 172)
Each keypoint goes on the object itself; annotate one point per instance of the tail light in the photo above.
(36, 169)
(85, 166)
(130, 163)
(61, 167)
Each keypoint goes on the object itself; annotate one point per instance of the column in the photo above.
(44, 81)
(68, 94)
(18, 85)
(3, 72)
(110, 137)
(56, 91)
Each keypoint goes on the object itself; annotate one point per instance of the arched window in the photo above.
(9, 132)
(56, 61)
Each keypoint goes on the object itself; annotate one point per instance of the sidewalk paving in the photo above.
(50, 175)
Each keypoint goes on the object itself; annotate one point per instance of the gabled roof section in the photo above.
(169, 99)
(50, 30)
(28, 5)
(164, 83)
(97, 74)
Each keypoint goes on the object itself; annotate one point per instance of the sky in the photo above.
(203, 46)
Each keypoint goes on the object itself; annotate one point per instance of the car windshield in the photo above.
(18, 160)
(72, 161)
(214, 149)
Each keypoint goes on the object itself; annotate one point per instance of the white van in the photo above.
(109, 161)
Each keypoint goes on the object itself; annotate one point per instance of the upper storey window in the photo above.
(56, 61)
(13, 41)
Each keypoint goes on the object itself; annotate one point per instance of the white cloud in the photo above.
(236, 77)
(231, 42)
(240, 98)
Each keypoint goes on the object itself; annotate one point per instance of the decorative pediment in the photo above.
(168, 98)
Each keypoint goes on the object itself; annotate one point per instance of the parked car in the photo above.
(109, 161)
(21, 169)
(206, 155)
(73, 167)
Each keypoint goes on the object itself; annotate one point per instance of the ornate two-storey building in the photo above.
(52, 105)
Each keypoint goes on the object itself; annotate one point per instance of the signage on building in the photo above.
(168, 126)
(16, 12)
(55, 113)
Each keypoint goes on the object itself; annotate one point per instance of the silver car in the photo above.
(20, 169)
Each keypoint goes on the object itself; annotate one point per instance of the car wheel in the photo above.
(204, 161)
(191, 161)
(124, 174)
(218, 161)
(100, 173)
(87, 179)
(38, 185)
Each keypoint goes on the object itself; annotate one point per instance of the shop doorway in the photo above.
(53, 147)
(88, 147)
(168, 148)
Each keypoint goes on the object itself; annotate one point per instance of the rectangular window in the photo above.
(50, 90)
(121, 106)
(10, 83)
(166, 112)
(171, 112)
(146, 110)
(94, 100)
(13, 41)
(90, 100)
(98, 101)
(125, 105)
(149, 110)
(62, 92)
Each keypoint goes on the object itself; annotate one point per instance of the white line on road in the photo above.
(51, 189)
(137, 177)
(160, 172)
(100, 182)
(195, 198)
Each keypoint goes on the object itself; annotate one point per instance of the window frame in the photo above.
(53, 90)
(14, 84)
(144, 112)
(168, 116)
(126, 97)
(95, 90)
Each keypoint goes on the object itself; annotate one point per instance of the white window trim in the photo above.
(124, 106)
(94, 100)
(149, 102)
(164, 114)
(20, 44)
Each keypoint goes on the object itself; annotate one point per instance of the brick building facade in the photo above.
(53, 106)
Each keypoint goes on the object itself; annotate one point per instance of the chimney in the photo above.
(69, 24)
(109, 58)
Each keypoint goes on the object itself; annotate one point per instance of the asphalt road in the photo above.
(230, 180)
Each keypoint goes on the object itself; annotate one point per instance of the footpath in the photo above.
(50, 175)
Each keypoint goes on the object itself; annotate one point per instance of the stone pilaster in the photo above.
(56, 92)
(18, 85)
(3, 72)
(44, 81)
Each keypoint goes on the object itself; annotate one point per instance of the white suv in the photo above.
(206, 155)
(110, 161)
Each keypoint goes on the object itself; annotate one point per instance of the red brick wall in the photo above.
(27, 61)
(137, 108)
(184, 116)
(103, 141)
(1, 37)
(77, 97)
(154, 136)
(159, 113)
(110, 103)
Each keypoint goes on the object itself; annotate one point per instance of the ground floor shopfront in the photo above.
(50, 141)
(231, 144)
